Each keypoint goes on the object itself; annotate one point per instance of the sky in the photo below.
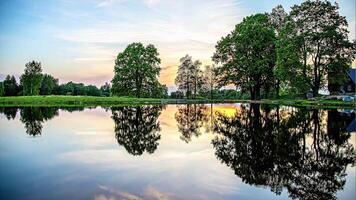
(78, 40)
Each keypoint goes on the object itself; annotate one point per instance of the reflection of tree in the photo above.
(33, 117)
(9, 112)
(264, 147)
(137, 128)
(190, 119)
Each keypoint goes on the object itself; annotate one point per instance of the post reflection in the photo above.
(270, 147)
(137, 128)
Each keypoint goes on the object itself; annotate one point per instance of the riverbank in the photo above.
(112, 101)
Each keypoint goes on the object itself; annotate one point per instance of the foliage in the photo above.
(247, 56)
(209, 78)
(2, 92)
(48, 85)
(78, 89)
(136, 70)
(105, 89)
(189, 78)
(137, 128)
(325, 51)
(10, 86)
(32, 78)
(190, 119)
(269, 148)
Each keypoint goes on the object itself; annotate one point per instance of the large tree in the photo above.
(10, 86)
(32, 78)
(247, 56)
(325, 51)
(190, 77)
(136, 70)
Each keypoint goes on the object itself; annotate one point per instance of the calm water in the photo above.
(177, 152)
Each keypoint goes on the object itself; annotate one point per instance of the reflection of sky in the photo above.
(77, 157)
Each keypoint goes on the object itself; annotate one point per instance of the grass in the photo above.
(112, 101)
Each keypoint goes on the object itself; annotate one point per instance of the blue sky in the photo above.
(79, 39)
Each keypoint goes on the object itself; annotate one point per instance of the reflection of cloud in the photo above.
(103, 197)
(154, 194)
(150, 193)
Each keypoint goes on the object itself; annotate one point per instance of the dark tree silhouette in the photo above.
(9, 112)
(190, 119)
(33, 118)
(137, 128)
(268, 147)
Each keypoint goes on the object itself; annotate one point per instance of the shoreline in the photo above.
(120, 101)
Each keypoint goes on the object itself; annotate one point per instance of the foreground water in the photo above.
(177, 152)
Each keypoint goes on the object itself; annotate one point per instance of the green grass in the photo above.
(112, 101)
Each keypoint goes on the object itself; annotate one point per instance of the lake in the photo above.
(222, 151)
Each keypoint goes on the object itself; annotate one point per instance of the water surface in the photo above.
(225, 151)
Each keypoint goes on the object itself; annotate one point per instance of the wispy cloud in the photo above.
(174, 27)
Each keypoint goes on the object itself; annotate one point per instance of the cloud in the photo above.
(176, 28)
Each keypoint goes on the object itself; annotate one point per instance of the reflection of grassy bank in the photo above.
(111, 101)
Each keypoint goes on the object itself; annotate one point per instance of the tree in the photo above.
(48, 85)
(209, 79)
(136, 70)
(10, 86)
(277, 19)
(32, 78)
(92, 90)
(190, 77)
(2, 92)
(289, 69)
(326, 52)
(247, 56)
(105, 89)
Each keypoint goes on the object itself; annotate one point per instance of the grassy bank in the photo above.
(112, 101)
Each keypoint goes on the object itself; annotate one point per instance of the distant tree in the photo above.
(326, 52)
(32, 78)
(136, 70)
(158, 91)
(247, 56)
(105, 89)
(2, 92)
(48, 85)
(92, 90)
(177, 95)
(209, 79)
(10, 86)
(190, 77)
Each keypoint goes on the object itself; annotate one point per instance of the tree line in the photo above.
(267, 55)
(34, 82)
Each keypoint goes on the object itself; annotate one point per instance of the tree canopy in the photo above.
(189, 78)
(32, 78)
(136, 71)
(247, 55)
